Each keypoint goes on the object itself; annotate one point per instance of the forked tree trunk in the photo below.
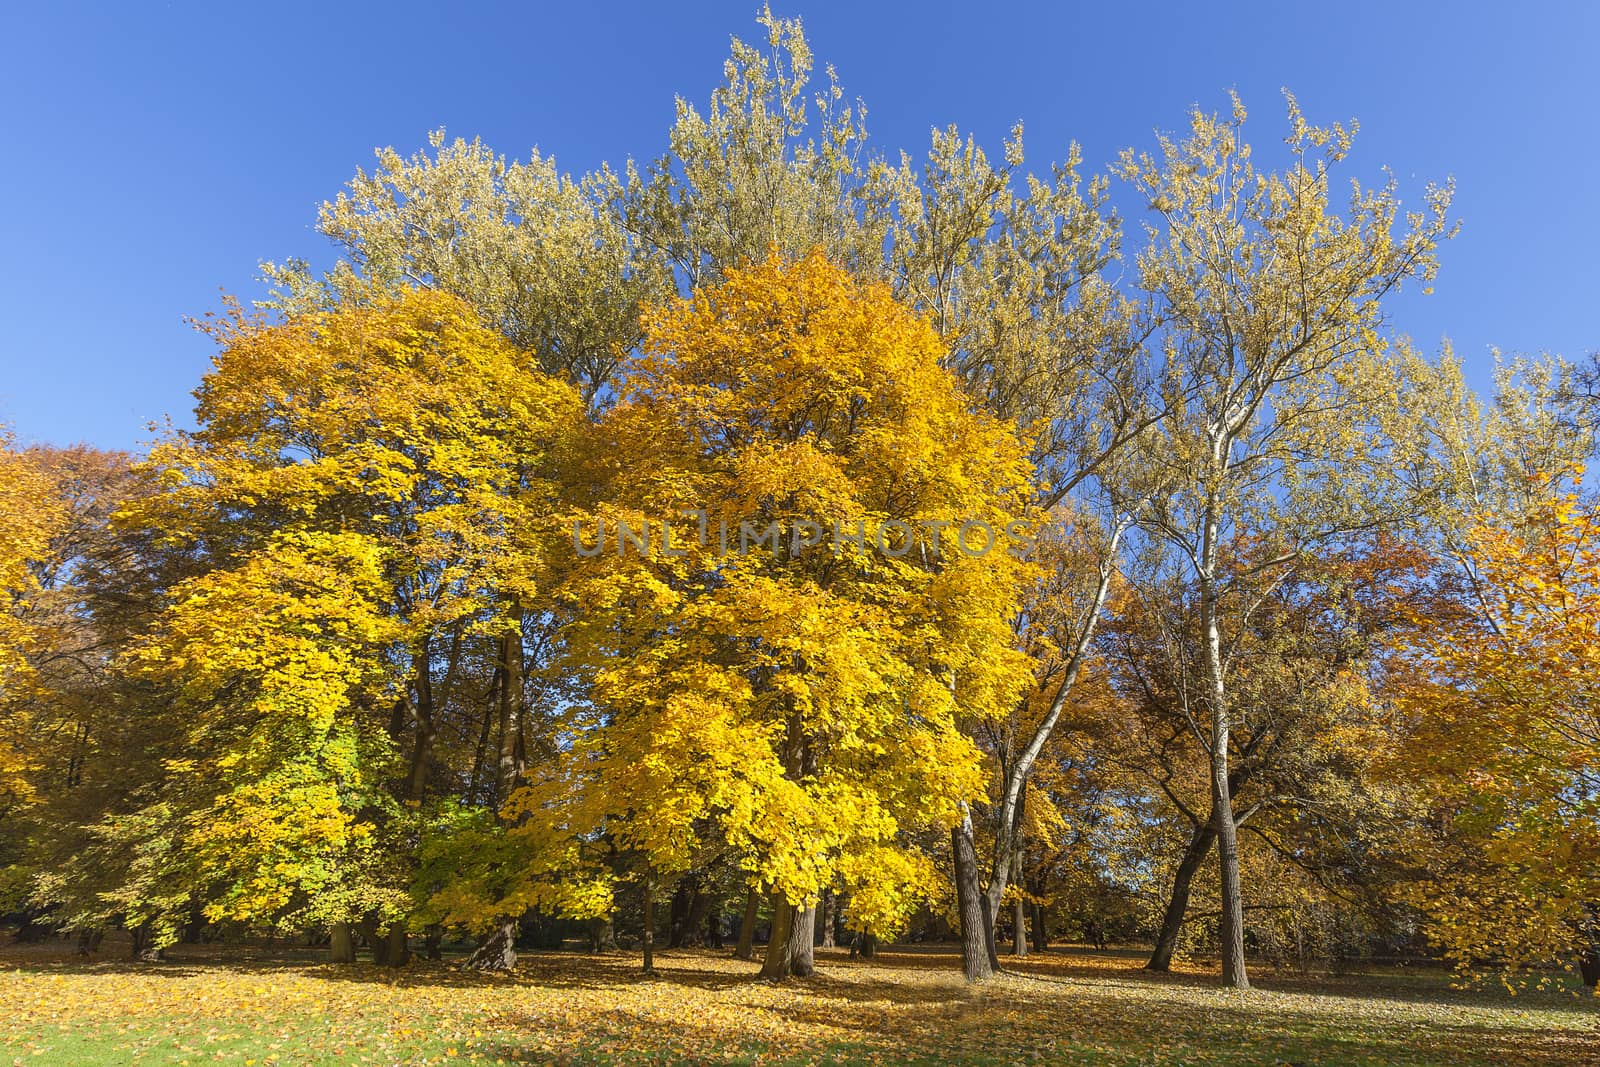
(746, 949)
(802, 943)
(775, 965)
(498, 951)
(977, 956)
(1178, 903)
(341, 944)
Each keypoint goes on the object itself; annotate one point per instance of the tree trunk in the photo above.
(602, 934)
(433, 942)
(398, 952)
(714, 921)
(977, 962)
(341, 945)
(144, 948)
(694, 925)
(1019, 927)
(1232, 927)
(746, 949)
(830, 917)
(32, 928)
(1178, 902)
(649, 937)
(1227, 829)
(775, 965)
(1041, 937)
(802, 942)
(496, 953)
(678, 914)
(989, 921)
(1014, 787)
(508, 768)
(1589, 966)
(89, 941)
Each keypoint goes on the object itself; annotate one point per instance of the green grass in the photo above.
(907, 1007)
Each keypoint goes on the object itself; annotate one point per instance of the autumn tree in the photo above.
(1501, 710)
(1304, 669)
(1284, 409)
(797, 698)
(94, 588)
(367, 485)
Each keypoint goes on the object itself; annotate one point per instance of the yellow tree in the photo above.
(799, 581)
(368, 486)
(1504, 713)
(32, 512)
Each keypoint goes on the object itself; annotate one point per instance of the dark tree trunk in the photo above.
(1232, 927)
(144, 949)
(1041, 936)
(694, 925)
(990, 944)
(397, 950)
(480, 755)
(649, 936)
(32, 929)
(194, 929)
(830, 918)
(678, 914)
(714, 922)
(1019, 927)
(802, 942)
(977, 955)
(746, 949)
(602, 934)
(1589, 967)
(341, 944)
(433, 942)
(775, 965)
(496, 953)
(1178, 903)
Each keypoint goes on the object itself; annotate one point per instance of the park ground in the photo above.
(271, 1009)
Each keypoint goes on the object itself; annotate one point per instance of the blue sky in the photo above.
(160, 151)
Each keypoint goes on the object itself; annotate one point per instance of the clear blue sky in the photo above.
(158, 152)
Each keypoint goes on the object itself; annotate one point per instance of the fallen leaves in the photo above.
(905, 1007)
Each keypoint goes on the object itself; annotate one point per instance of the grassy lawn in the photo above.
(907, 1007)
